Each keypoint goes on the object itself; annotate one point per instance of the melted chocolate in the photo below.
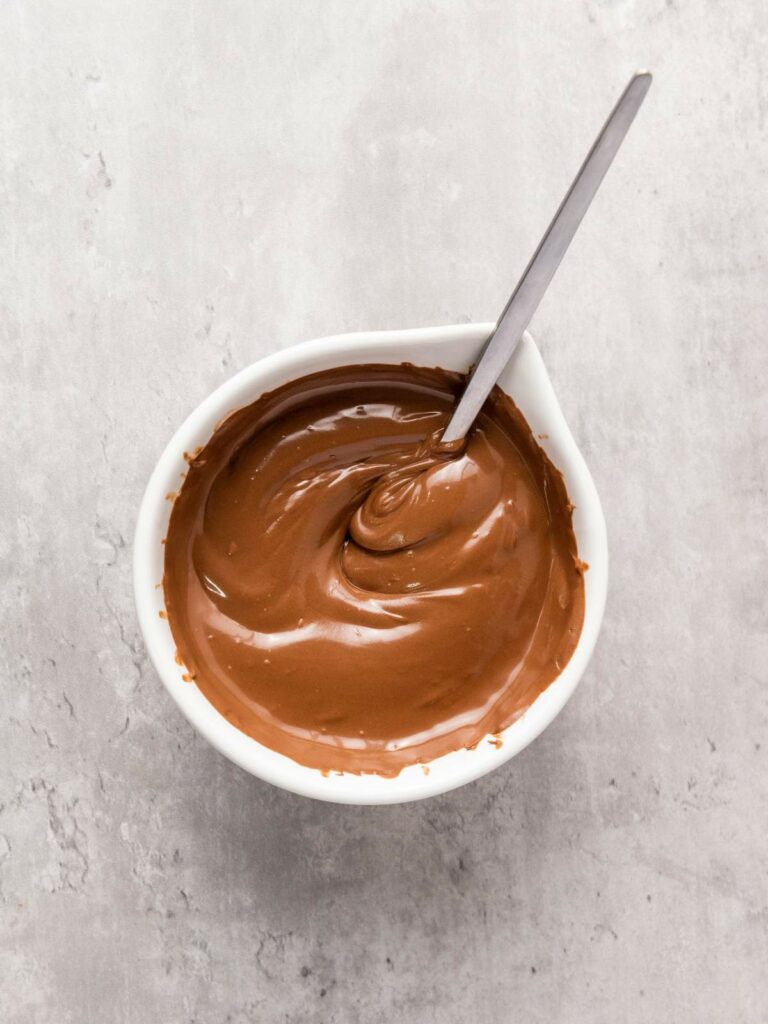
(358, 597)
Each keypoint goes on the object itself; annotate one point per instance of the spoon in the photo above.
(537, 275)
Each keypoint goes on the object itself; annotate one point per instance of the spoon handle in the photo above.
(545, 261)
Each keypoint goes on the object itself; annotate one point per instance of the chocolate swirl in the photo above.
(355, 595)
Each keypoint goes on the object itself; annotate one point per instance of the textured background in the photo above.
(189, 184)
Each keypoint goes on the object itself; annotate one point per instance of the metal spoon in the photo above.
(545, 261)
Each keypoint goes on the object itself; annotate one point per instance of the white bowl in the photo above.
(454, 348)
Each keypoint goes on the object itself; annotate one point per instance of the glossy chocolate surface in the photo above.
(355, 596)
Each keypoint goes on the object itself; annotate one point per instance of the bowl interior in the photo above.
(455, 348)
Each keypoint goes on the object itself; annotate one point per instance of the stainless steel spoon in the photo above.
(537, 275)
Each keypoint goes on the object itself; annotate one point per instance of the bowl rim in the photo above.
(451, 770)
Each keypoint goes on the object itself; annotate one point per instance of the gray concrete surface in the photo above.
(187, 185)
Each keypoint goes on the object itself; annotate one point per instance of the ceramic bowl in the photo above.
(455, 348)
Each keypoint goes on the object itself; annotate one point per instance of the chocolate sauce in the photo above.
(358, 597)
